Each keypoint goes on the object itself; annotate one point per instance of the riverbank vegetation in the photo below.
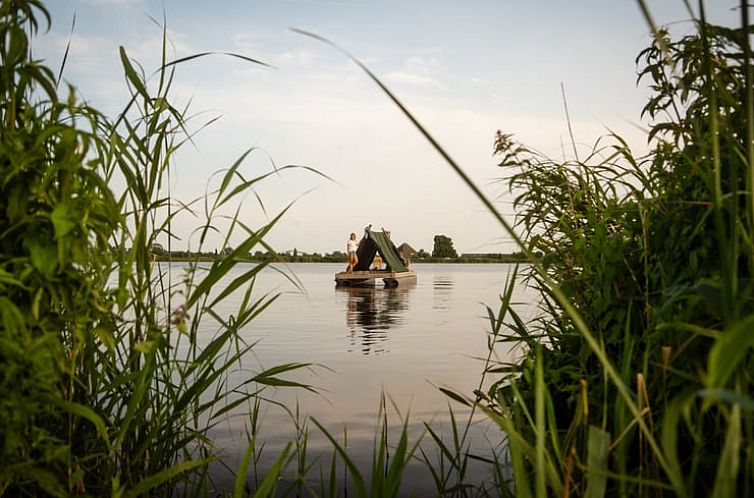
(635, 379)
(104, 389)
(296, 256)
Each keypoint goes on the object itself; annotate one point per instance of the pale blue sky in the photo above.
(465, 69)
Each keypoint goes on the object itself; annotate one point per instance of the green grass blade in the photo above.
(598, 443)
(238, 282)
(131, 74)
(728, 351)
(163, 477)
(269, 484)
(353, 469)
(541, 430)
(729, 463)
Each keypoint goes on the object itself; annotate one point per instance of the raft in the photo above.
(396, 269)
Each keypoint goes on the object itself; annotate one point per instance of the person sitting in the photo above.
(377, 262)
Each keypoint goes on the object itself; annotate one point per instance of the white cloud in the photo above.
(112, 3)
(243, 40)
(296, 57)
(418, 63)
(89, 52)
(417, 71)
(413, 79)
(148, 50)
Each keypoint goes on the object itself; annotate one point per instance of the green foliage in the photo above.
(443, 247)
(56, 218)
(638, 362)
(104, 387)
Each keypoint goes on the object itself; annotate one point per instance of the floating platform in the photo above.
(369, 277)
(364, 274)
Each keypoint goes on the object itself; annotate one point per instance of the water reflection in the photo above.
(442, 290)
(371, 312)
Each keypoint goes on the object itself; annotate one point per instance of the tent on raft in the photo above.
(373, 243)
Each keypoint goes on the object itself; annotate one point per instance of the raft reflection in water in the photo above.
(371, 312)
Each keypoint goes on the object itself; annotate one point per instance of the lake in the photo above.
(404, 342)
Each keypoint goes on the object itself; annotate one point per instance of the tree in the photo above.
(444, 247)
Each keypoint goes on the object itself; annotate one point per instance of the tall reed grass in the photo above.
(649, 395)
(636, 379)
(105, 388)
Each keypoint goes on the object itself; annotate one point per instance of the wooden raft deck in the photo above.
(391, 278)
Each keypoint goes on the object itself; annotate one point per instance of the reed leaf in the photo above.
(597, 458)
(731, 348)
(353, 470)
(162, 477)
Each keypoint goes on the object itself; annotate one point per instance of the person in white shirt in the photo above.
(351, 247)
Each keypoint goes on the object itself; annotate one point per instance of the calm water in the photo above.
(404, 342)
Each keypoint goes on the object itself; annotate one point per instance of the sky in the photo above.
(465, 69)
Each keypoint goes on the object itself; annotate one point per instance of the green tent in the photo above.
(375, 242)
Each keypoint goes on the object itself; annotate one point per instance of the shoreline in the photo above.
(210, 259)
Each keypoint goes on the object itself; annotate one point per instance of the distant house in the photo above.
(407, 250)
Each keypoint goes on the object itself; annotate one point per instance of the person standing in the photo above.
(352, 246)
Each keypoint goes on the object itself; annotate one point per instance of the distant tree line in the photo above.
(442, 252)
(294, 256)
(334, 257)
